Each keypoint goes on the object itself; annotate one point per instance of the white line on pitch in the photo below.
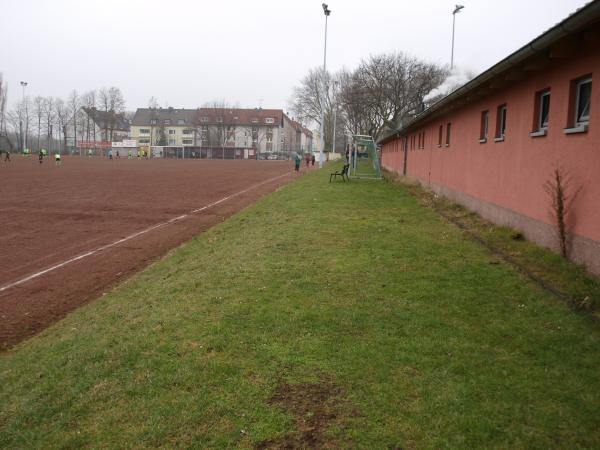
(134, 235)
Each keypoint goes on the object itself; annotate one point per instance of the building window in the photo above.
(422, 140)
(219, 120)
(187, 131)
(541, 113)
(167, 121)
(483, 132)
(153, 121)
(544, 110)
(448, 128)
(180, 121)
(440, 136)
(171, 131)
(187, 141)
(501, 123)
(254, 120)
(172, 141)
(144, 141)
(583, 97)
(269, 120)
(144, 131)
(203, 119)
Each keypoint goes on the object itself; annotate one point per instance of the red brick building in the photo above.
(493, 144)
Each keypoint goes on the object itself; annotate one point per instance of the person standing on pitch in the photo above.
(110, 154)
(57, 159)
(297, 161)
(41, 156)
(312, 159)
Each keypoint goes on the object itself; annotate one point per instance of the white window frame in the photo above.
(586, 119)
(144, 131)
(203, 119)
(180, 121)
(502, 125)
(269, 120)
(171, 132)
(543, 94)
(188, 131)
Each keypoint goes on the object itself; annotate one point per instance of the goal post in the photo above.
(363, 158)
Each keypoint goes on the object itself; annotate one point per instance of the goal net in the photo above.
(363, 158)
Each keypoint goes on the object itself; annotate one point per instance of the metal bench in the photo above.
(343, 173)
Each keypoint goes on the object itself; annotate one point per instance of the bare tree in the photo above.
(153, 103)
(384, 90)
(74, 104)
(559, 188)
(219, 109)
(18, 119)
(62, 120)
(49, 116)
(38, 111)
(112, 103)
(88, 101)
(3, 100)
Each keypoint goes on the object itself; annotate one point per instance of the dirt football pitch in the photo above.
(69, 233)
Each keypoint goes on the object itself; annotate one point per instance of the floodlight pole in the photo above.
(326, 11)
(23, 136)
(456, 10)
(334, 113)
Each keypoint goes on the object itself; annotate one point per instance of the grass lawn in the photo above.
(342, 315)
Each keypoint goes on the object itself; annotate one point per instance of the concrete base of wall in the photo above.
(582, 250)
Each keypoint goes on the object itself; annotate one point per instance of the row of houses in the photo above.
(496, 144)
(256, 131)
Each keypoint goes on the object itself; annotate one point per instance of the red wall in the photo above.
(511, 174)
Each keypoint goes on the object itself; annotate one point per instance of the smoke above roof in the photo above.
(458, 77)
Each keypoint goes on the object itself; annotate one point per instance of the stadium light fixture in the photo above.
(456, 11)
(326, 11)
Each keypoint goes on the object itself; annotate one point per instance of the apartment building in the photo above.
(220, 132)
(495, 143)
(164, 127)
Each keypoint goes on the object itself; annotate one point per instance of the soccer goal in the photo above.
(363, 158)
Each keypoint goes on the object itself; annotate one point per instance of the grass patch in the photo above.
(572, 282)
(401, 331)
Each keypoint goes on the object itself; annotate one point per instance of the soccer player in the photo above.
(41, 156)
(57, 159)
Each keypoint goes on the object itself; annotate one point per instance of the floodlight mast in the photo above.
(456, 11)
(326, 11)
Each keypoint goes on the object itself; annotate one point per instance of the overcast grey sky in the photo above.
(187, 52)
